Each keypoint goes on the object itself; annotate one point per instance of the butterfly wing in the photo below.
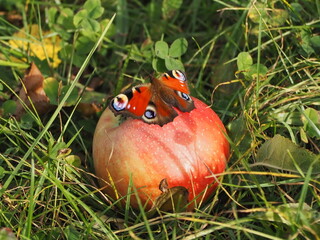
(175, 80)
(153, 103)
(163, 113)
(175, 90)
(132, 102)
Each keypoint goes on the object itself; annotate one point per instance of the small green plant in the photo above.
(79, 31)
(169, 58)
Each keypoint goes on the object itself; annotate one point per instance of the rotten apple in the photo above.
(186, 152)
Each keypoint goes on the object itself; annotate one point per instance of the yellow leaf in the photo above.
(45, 48)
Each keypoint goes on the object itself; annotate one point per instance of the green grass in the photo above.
(273, 88)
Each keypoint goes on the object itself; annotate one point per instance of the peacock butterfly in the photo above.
(154, 102)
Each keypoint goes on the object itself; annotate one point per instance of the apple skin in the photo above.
(186, 152)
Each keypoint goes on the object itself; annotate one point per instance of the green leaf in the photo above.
(9, 107)
(84, 45)
(281, 153)
(65, 18)
(90, 26)
(73, 160)
(94, 8)
(169, 8)
(239, 134)
(86, 17)
(305, 36)
(278, 17)
(66, 52)
(135, 53)
(296, 10)
(56, 149)
(53, 92)
(256, 69)
(51, 88)
(311, 122)
(161, 49)
(315, 41)
(257, 12)
(158, 65)
(79, 17)
(287, 115)
(26, 121)
(112, 29)
(244, 61)
(52, 13)
(63, 151)
(303, 135)
(93, 97)
(173, 64)
(287, 213)
(71, 233)
(78, 59)
(178, 47)
(73, 97)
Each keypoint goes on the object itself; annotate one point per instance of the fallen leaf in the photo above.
(32, 93)
(47, 46)
(281, 153)
(91, 102)
(89, 109)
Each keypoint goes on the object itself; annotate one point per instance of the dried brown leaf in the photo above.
(32, 93)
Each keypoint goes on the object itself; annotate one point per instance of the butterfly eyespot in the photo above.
(120, 102)
(150, 113)
(179, 75)
(184, 96)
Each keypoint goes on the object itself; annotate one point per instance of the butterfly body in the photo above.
(154, 102)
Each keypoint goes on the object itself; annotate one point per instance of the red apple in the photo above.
(186, 152)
